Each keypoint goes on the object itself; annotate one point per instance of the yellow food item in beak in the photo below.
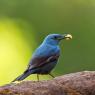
(68, 36)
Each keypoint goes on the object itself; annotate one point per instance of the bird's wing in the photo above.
(37, 62)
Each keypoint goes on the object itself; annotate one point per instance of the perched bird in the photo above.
(45, 56)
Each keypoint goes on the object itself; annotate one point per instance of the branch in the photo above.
(81, 83)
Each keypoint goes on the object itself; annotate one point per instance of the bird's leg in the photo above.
(51, 75)
(37, 77)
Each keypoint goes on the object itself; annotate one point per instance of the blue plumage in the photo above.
(45, 56)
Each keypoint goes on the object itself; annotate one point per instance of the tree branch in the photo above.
(80, 83)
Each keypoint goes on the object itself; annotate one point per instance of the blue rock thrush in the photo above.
(45, 56)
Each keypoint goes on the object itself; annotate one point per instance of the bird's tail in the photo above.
(23, 76)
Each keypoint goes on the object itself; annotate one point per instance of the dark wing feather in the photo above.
(37, 62)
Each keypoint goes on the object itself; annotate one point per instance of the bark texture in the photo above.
(80, 83)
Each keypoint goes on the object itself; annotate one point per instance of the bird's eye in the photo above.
(55, 37)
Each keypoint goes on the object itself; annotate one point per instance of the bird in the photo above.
(45, 57)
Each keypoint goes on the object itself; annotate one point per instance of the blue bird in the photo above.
(45, 57)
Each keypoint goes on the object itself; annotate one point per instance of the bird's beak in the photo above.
(67, 36)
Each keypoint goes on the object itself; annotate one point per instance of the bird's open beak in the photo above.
(67, 36)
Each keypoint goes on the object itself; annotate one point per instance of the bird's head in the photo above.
(54, 39)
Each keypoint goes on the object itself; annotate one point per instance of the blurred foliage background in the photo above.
(25, 23)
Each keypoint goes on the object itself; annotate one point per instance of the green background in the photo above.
(25, 23)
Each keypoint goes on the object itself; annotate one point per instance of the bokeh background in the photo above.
(25, 23)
